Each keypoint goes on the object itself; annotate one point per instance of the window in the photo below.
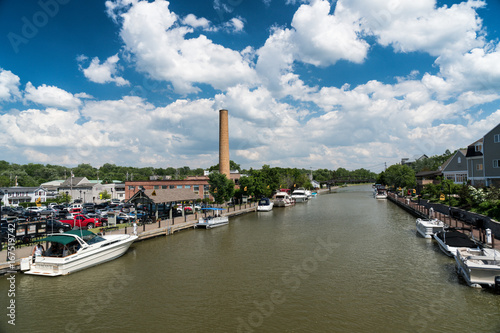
(479, 147)
(496, 163)
(479, 167)
(179, 186)
(459, 159)
(171, 187)
(496, 138)
(131, 187)
(196, 189)
(187, 186)
(461, 178)
(156, 187)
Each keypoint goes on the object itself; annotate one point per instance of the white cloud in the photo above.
(51, 96)
(103, 73)
(9, 85)
(236, 24)
(195, 22)
(157, 41)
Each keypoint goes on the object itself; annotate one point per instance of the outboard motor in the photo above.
(497, 284)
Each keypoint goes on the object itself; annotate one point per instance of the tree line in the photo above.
(33, 174)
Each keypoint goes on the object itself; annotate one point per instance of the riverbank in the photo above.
(427, 211)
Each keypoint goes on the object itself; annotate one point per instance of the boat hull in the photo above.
(427, 228)
(209, 223)
(84, 258)
(478, 267)
(265, 208)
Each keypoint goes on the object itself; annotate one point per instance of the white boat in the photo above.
(265, 205)
(212, 221)
(299, 195)
(427, 227)
(380, 192)
(452, 239)
(479, 267)
(75, 250)
(282, 199)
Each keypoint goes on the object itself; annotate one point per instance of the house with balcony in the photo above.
(15, 195)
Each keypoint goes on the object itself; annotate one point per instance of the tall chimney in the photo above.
(224, 143)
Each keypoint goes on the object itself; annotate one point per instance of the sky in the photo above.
(307, 84)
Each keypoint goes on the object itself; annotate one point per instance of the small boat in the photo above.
(478, 267)
(75, 250)
(300, 195)
(265, 205)
(449, 240)
(380, 192)
(428, 227)
(282, 199)
(215, 220)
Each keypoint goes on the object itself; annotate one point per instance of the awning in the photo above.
(61, 239)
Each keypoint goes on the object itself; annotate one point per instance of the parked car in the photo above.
(89, 207)
(56, 226)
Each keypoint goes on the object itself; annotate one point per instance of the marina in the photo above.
(296, 269)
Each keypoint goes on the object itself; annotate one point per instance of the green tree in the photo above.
(221, 188)
(400, 176)
(104, 195)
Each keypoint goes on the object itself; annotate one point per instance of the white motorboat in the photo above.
(449, 240)
(299, 195)
(428, 227)
(282, 199)
(212, 221)
(76, 250)
(381, 194)
(479, 267)
(265, 205)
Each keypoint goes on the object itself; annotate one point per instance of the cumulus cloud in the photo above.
(51, 96)
(157, 41)
(9, 85)
(103, 73)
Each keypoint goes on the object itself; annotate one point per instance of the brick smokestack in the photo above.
(224, 143)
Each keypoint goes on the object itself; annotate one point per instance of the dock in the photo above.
(423, 212)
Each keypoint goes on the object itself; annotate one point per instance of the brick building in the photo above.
(199, 185)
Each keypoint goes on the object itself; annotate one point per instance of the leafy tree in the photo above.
(400, 176)
(104, 195)
(221, 188)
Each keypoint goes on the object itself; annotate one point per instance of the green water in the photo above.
(342, 262)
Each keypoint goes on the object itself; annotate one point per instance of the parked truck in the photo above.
(83, 222)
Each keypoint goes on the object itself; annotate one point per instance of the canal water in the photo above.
(342, 262)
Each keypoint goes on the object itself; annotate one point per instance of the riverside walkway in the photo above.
(144, 231)
(424, 212)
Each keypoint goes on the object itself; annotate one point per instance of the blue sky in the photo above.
(308, 84)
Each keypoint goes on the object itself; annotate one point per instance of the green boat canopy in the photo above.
(64, 239)
(61, 239)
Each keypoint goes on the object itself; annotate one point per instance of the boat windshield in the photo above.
(92, 239)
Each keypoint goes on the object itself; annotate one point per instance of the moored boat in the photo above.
(282, 199)
(75, 250)
(265, 205)
(478, 267)
(212, 221)
(449, 240)
(299, 195)
(428, 227)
